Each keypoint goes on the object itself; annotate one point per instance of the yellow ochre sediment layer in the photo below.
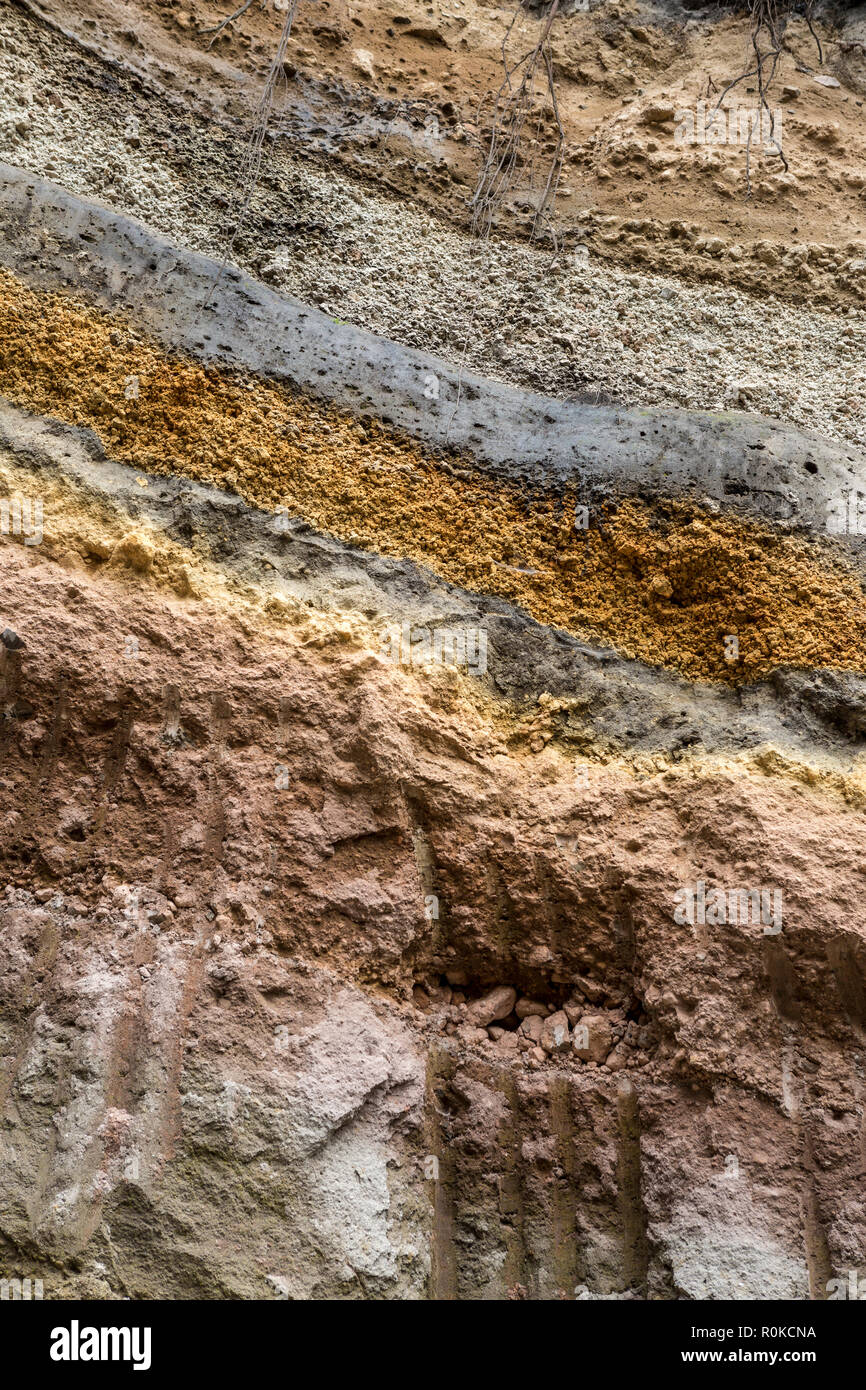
(666, 584)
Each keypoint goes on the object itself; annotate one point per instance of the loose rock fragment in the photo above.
(555, 1035)
(593, 1038)
(532, 1027)
(498, 1003)
(525, 1008)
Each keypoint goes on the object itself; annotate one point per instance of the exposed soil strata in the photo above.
(665, 585)
(201, 542)
(433, 737)
(570, 326)
(215, 314)
(146, 847)
(414, 119)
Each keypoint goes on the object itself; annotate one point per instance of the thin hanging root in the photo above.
(251, 164)
(247, 178)
(769, 20)
(512, 107)
(217, 29)
(808, 18)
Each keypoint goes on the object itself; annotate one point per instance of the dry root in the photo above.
(527, 92)
(769, 22)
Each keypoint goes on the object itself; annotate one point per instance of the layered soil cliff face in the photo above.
(252, 875)
(590, 321)
(401, 94)
(409, 888)
(661, 583)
